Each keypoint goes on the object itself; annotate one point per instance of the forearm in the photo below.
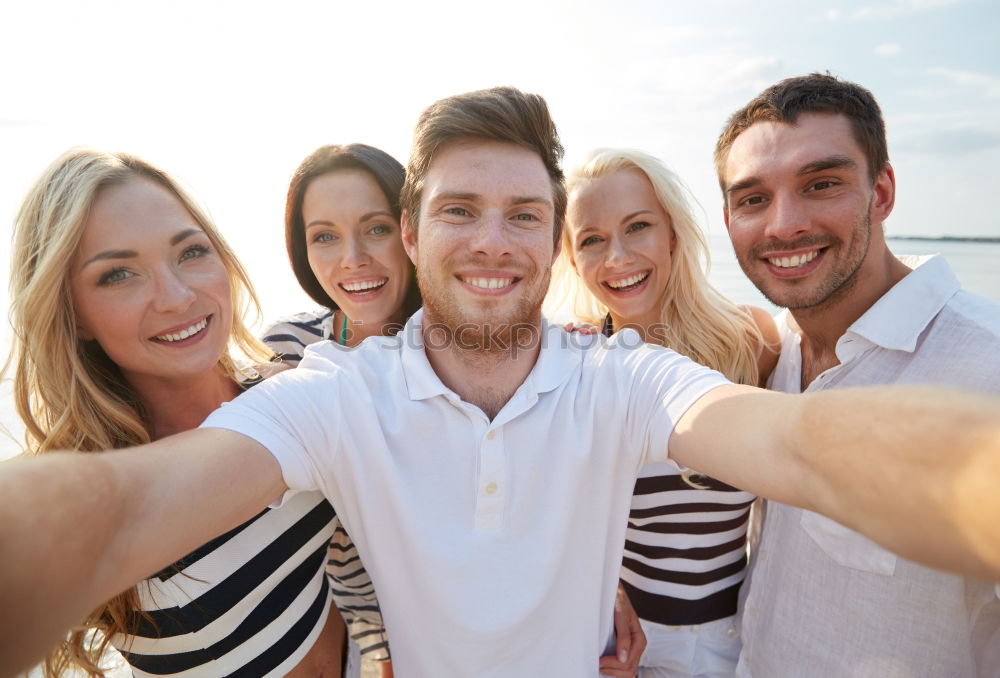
(56, 522)
(75, 529)
(915, 469)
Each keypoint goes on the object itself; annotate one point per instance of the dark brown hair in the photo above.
(814, 93)
(502, 114)
(387, 172)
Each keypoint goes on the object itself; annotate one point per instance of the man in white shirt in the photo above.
(477, 459)
(807, 183)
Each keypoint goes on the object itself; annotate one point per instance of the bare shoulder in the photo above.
(771, 348)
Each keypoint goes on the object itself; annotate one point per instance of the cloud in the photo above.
(989, 85)
(950, 142)
(888, 50)
(900, 7)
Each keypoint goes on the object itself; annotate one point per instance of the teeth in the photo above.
(628, 282)
(489, 283)
(184, 334)
(365, 285)
(796, 260)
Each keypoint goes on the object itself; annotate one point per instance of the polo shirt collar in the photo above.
(559, 355)
(898, 318)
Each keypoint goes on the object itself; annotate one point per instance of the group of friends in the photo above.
(471, 489)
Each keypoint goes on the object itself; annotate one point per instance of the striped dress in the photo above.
(353, 591)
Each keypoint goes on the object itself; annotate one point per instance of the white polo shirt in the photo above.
(494, 546)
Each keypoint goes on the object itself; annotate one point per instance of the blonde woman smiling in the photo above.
(632, 258)
(125, 300)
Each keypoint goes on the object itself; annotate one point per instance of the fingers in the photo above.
(582, 328)
(623, 630)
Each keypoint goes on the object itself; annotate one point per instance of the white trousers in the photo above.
(708, 650)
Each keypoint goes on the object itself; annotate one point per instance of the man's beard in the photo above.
(447, 324)
(836, 286)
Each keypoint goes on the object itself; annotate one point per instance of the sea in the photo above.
(975, 263)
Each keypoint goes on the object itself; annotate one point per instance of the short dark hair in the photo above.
(387, 172)
(502, 114)
(813, 93)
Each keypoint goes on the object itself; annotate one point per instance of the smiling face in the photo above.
(354, 248)
(148, 285)
(801, 210)
(622, 240)
(484, 251)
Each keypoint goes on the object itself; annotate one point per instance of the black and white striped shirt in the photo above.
(248, 603)
(685, 548)
(353, 591)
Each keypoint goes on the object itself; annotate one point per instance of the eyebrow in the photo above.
(831, 162)
(364, 217)
(131, 254)
(518, 200)
(630, 217)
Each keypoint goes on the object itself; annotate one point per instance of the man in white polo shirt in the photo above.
(483, 460)
(807, 181)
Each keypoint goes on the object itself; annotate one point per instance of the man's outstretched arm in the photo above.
(915, 469)
(75, 529)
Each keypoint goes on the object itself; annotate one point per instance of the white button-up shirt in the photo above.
(494, 546)
(824, 600)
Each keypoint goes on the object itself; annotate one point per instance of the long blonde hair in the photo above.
(68, 393)
(695, 319)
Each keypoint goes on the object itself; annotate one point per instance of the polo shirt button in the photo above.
(491, 435)
(491, 488)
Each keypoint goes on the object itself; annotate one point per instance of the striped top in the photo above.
(353, 591)
(685, 548)
(248, 603)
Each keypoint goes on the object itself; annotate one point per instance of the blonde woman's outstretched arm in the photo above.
(75, 529)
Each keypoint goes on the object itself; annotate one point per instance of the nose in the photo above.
(490, 236)
(355, 254)
(788, 218)
(619, 254)
(173, 294)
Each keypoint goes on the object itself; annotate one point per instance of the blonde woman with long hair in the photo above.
(125, 304)
(632, 257)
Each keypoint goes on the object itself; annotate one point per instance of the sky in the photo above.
(230, 96)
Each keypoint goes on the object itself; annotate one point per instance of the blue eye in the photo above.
(380, 229)
(194, 252)
(114, 276)
(586, 242)
(638, 226)
(458, 211)
(323, 237)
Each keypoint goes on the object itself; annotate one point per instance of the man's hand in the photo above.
(631, 640)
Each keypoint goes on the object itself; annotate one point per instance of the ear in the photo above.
(409, 236)
(883, 195)
(725, 216)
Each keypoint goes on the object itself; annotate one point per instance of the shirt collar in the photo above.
(559, 355)
(898, 318)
